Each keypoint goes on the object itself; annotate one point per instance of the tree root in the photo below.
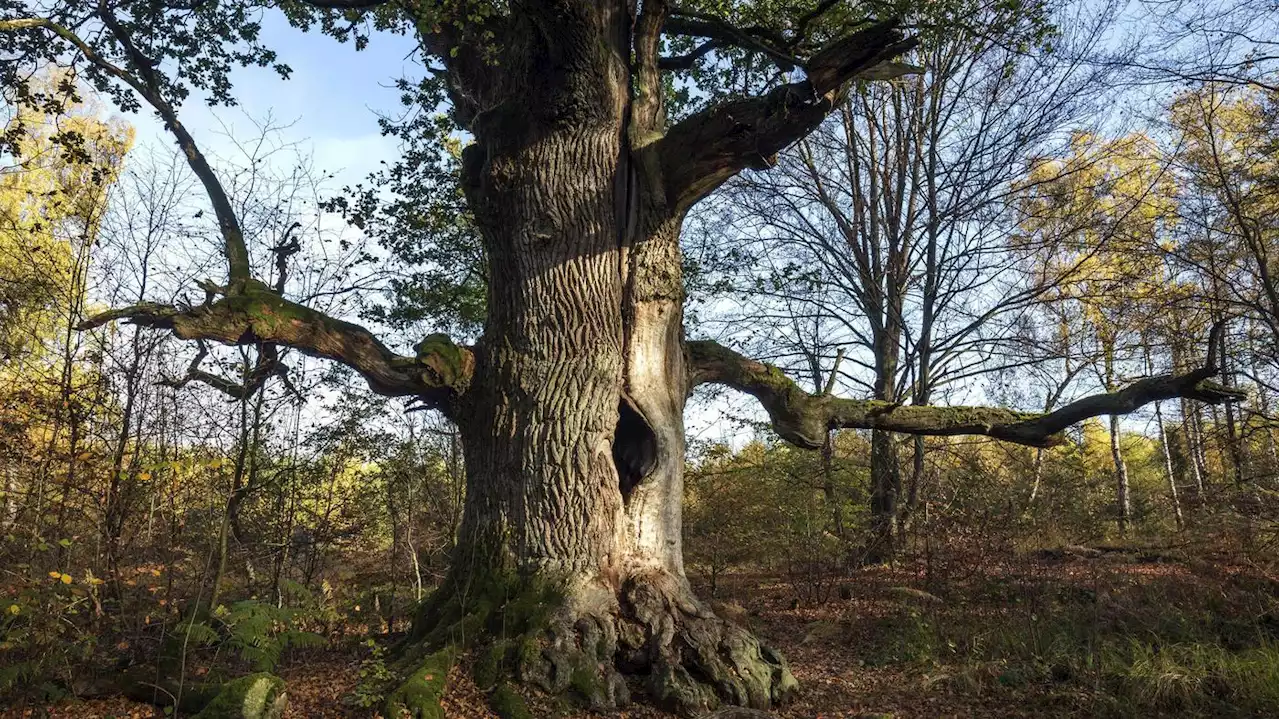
(254, 696)
(591, 643)
(696, 659)
(418, 696)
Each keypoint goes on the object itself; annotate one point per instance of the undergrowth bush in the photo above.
(256, 632)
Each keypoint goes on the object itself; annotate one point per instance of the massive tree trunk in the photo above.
(572, 423)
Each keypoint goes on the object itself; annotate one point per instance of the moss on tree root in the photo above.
(576, 644)
(508, 704)
(256, 696)
(497, 616)
(418, 696)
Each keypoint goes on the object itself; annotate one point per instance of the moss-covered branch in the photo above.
(250, 313)
(804, 419)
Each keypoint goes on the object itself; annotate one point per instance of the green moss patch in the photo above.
(508, 704)
(419, 696)
(256, 696)
(446, 362)
(500, 616)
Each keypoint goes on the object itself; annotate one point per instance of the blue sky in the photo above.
(331, 100)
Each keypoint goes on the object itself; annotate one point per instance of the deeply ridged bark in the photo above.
(573, 420)
(539, 423)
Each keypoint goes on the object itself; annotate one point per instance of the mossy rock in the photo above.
(419, 696)
(508, 704)
(256, 696)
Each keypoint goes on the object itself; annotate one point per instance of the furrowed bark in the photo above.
(802, 418)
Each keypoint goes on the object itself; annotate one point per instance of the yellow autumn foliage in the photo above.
(53, 192)
(52, 195)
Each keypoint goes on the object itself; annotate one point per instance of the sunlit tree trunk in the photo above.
(1164, 447)
(1037, 473)
(1122, 478)
(1117, 457)
(1168, 468)
(572, 426)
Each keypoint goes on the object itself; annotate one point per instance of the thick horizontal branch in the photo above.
(22, 23)
(804, 419)
(253, 314)
(685, 62)
(702, 151)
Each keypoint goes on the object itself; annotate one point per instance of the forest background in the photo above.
(1048, 208)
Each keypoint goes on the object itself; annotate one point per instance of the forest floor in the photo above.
(1074, 632)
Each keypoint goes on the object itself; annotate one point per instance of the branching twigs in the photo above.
(804, 419)
(696, 24)
(143, 81)
(802, 24)
(286, 248)
(268, 364)
(781, 48)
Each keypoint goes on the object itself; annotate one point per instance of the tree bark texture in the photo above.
(1121, 477)
(573, 419)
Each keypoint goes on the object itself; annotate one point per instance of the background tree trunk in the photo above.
(1122, 477)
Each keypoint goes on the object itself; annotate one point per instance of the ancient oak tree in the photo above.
(568, 572)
